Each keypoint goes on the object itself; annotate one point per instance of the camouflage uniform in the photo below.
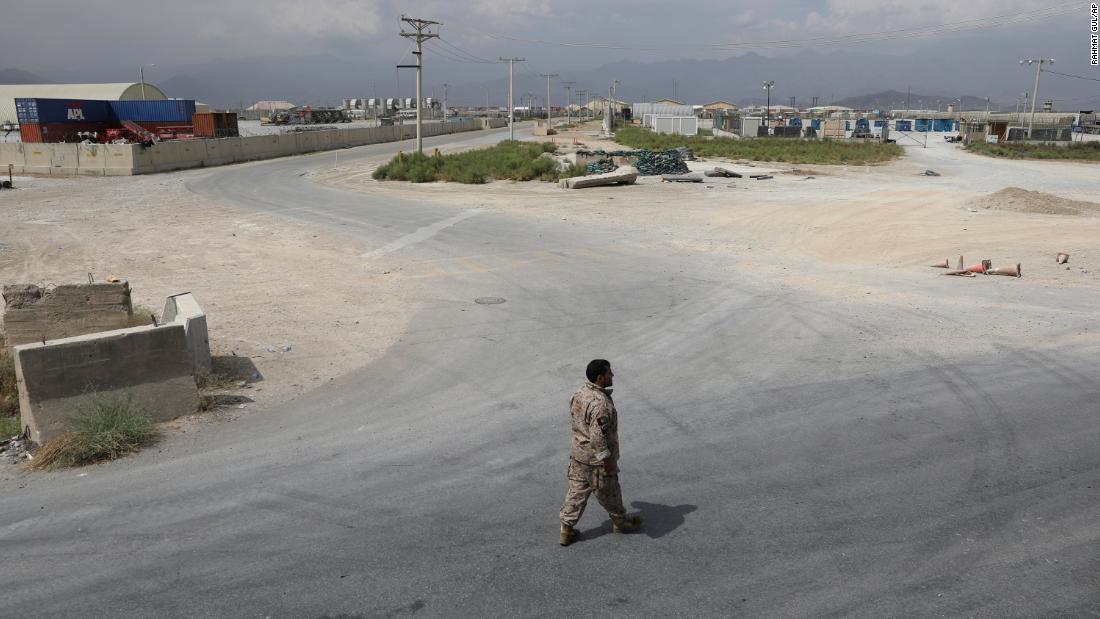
(595, 438)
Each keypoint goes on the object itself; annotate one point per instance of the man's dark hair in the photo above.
(596, 367)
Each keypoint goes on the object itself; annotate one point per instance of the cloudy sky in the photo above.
(115, 36)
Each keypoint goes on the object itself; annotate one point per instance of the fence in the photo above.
(129, 159)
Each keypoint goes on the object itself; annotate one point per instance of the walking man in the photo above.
(594, 454)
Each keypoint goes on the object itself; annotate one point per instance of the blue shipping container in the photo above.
(170, 110)
(795, 122)
(46, 111)
(903, 125)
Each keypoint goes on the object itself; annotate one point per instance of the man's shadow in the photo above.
(657, 520)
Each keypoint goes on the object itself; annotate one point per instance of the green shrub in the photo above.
(1084, 151)
(789, 150)
(511, 160)
(9, 427)
(9, 392)
(104, 428)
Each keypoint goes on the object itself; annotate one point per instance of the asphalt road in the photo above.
(793, 455)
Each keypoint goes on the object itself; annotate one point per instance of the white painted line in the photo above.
(422, 234)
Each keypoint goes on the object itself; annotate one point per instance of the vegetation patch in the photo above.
(9, 392)
(9, 427)
(508, 160)
(105, 428)
(1081, 151)
(764, 149)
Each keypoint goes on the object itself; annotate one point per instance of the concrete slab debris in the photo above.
(624, 175)
(150, 365)
(722, 172)
(682, 178)
(34, 314)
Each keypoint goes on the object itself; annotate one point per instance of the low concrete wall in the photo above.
(128, 159)
(184, 309)
(151, 366)
(33, 314)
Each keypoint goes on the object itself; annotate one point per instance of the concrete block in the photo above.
(625, 175)
(64, 159)
(91, 159)
(11, 154)
(37, 158)
(184, 309)
(149, 365)
(32, 314)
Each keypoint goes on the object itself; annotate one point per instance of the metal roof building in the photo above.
(98, 92)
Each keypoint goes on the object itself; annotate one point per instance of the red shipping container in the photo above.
(215, 125)
(60, 131)
(30, 132)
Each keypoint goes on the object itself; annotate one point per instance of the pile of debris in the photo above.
(16, 449)
(985, 267)
(648, 162)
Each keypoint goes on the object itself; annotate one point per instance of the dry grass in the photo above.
(142, 316)
(106, 428)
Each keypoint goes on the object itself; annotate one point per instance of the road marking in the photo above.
(422, 234)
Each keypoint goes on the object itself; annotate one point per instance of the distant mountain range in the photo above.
(16, 76)
(896, 100)
(837, 77)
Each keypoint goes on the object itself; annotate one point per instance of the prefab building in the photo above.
(678, 125)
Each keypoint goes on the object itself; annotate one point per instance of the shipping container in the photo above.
(30, 132)
(62, 110)
(903, 125)
(215, 125)
(62, 131)
(170, 110)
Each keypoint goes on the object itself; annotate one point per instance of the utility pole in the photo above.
(548, 76)
(1038, 62)
(768, 110)
(511, 102)
(568, 98)
(422, 33)
(908, 93)
(445, 85)
(141, 76)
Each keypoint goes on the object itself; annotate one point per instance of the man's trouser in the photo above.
(585, 479)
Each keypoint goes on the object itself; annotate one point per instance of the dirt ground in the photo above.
(267, 283)
(884, 216)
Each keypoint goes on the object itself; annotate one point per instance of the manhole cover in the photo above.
(489, 300)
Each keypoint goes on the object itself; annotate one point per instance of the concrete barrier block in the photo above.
(37, 158)
(184, 309)
(32, 314)
(91, 159)
(11, 154)
(118, 159)
(223, 151)
(151, 366)
(64, 159)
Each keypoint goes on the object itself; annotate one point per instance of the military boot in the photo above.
(626, 524)
(568, 535)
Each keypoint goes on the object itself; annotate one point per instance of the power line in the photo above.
(995, 21)
(1080, 77)
(458, 50)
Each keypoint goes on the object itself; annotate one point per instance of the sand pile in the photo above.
(1024, 201)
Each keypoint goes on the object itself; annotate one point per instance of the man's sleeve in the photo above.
(598, 429)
